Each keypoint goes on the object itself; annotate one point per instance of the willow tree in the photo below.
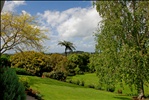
(20, 32)
(68, 46)
(123, 43)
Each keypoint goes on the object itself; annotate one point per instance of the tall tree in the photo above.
(20, 32)
(68, 46)
(123, 43)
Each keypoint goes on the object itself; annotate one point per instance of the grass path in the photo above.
(56, 90)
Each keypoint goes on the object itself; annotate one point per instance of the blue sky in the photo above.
(73, 21)
(39, 6)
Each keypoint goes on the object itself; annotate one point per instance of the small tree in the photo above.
(68, 46)
(57, 61)
(78, 60)
(20, 32)
(92, 63)
(58, 65)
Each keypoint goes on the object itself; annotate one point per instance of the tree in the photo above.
(58, 62)
(123, 43)
(78, 62)
(68, 46)
(20, 32)
(74, 61)
(10, 87)
(92, 61)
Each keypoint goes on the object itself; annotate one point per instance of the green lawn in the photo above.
(56, 90)
(91, 78)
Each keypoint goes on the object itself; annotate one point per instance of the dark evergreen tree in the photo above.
(10, 87)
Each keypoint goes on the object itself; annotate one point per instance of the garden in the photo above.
(118, 69)
(58, 77)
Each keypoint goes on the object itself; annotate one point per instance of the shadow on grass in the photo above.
(122, 98)
(39, 80)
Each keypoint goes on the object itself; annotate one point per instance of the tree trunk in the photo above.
(141, 91)
(66, 52)
(2, 4)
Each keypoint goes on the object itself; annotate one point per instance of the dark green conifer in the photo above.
(10, 87)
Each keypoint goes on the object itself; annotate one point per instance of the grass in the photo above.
(91, 78)
(56, 90)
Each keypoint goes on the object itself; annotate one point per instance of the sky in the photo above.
(74, 21)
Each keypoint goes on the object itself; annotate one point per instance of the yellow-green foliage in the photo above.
(58, 65)
(58, 62)
(20, 32)
(33, 62)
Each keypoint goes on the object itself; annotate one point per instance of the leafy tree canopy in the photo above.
(123, 42)
(68, 46)
(20, 32)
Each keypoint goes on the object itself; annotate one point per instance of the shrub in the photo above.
(91, 86)
(25, 82)
(10, 87)
(21, 71)
(71, 72)
(58, 62)
(33, 62)
(70, 81)
(73, 82)
(77, 70)
(111, 89)
(78, 62)
(55, 75)
(58, 65)
(35, 94)
(46, 74)
(119, 91)
(39, 96)
(81, 73)
(82, 83)
(98, 87)
(4, 61)
(85, 58)
(77, 82)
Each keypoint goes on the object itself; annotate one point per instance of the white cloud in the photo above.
(12, 5)
(76, 25)
(24, 13)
